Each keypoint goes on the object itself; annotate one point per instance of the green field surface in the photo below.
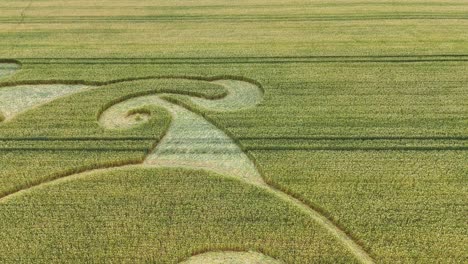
(233, 131)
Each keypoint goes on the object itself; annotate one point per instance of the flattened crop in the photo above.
(18, 99)
(8, 68)
(230, 257)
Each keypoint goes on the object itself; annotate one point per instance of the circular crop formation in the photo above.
(191, 141)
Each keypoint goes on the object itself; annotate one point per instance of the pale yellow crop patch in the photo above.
(231, 257)
(191, 140)
(17, 99)
(8, 69)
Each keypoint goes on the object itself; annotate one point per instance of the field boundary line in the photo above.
(318, 138)
(358, 138)
(242, 60)
(237, 18)
(251, 62)
(78, 139)
(294, 148)
(131, 79)
(244, 57)
(75, 149)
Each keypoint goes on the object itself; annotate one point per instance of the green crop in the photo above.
(359, 114)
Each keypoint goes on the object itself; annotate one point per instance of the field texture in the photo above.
(233, 131)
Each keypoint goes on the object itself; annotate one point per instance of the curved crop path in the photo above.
(18, 99)
(8, 68)
(192, 141)
(231, 257)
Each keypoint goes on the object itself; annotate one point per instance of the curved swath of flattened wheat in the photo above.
(192, 141)
(241, 95)
(15, 100)
(231, 257)
(8, 68)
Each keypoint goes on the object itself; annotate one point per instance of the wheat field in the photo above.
(233, 131)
